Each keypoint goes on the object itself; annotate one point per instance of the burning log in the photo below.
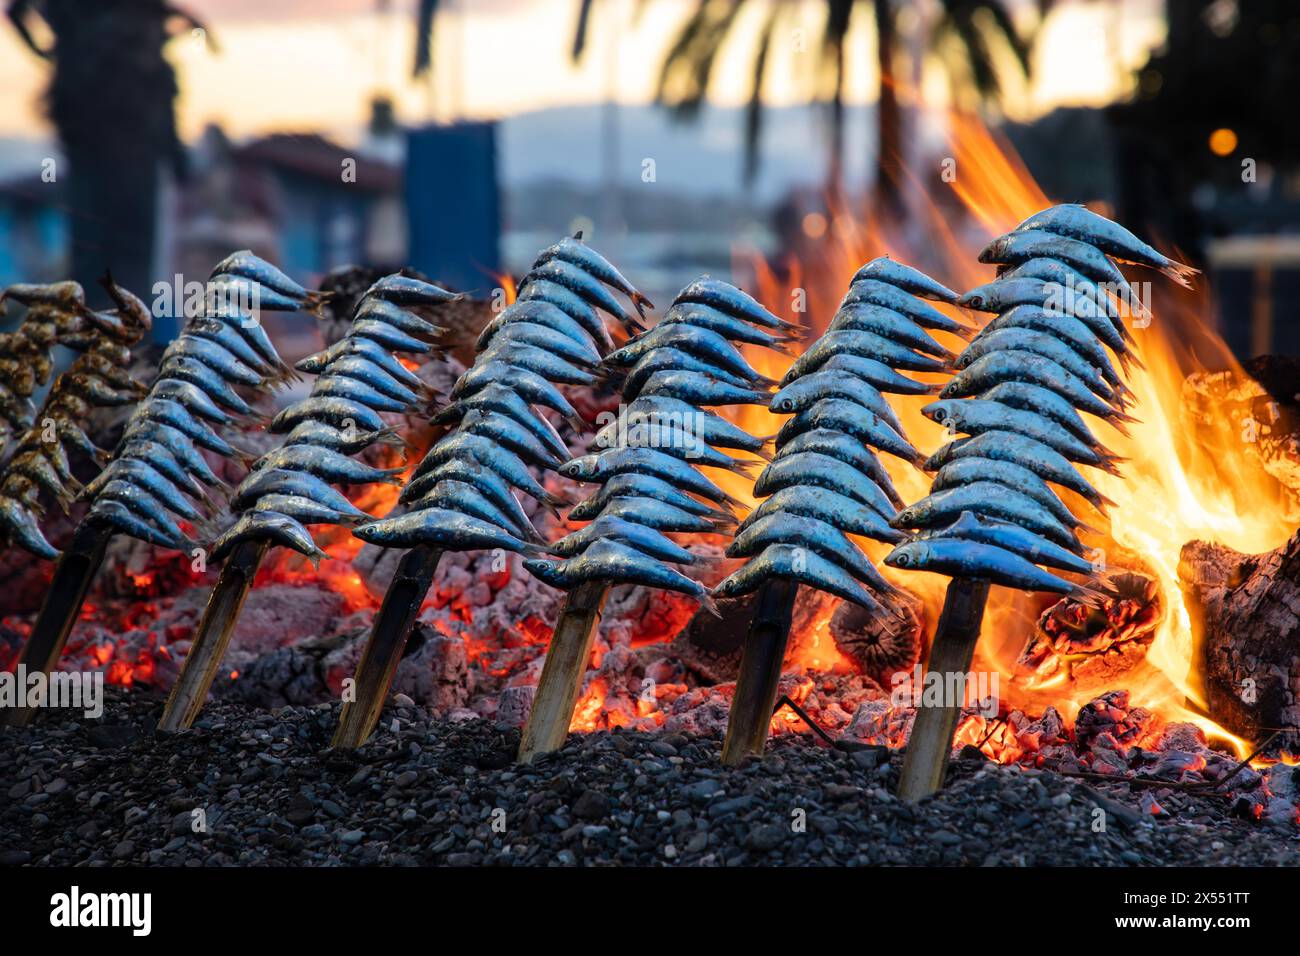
(1091, 644)
(1262, 410)
(1249, 627)
(881, 651)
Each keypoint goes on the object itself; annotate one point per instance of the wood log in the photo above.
(388, 635)
(76, 571)
(561, 680)
(212, 636)
(881, 646)
(760, 671)
(1246, 615)
(952, 651)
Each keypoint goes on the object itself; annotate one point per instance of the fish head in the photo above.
(906, 518)
(975, 299)
(908, 555)
(994, 251)
(940, 412)
(580, 468)
(548, 572)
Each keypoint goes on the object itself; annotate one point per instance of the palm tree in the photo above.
(111, 99)
(976, 26)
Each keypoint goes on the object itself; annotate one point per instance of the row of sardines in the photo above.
(357, 378)
(38, 467)
(1014, 403)
(646, 460)
(1014, 407)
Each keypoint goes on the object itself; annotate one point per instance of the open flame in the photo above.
(1180, 482)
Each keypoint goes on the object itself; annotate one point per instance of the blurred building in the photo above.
(453, 201)
(33, 231)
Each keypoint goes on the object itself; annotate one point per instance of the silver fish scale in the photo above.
(1065, 241)
(814, 502)
(195, 411)
(679, 425)
(281, 519)
(558, 333)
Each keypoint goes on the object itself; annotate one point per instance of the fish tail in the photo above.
(746, 468)
(707, 602)
(1089, 595)
(317, 298)
(964, 332)
(1180, 273)
(641, 301)
(391, 436)
(762, 453)
(1110, 464)
(780, 346)
(575, 420)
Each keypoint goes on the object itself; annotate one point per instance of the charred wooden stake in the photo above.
(930, 745)
(213, 635)
(566, 662)
(388, 634)
(760, 671)
(72, 579)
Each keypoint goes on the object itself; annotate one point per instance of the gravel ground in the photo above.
(438, 792)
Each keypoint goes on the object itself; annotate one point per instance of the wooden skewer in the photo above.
(930, 745)
(760, 671)
(212, 636)
(388, 634)
(561, 680)
(72, 579)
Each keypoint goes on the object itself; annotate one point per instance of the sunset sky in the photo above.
(314, 64)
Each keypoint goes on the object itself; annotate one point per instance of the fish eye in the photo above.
(976, 301)
(902, 560)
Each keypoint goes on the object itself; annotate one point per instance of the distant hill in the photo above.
(702, 157)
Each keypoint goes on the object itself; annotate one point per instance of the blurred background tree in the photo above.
(970, 36)
(111, 98)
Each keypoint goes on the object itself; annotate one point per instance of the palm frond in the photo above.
(425, 17)
(580, 30)
(688, 67)
(754, 107)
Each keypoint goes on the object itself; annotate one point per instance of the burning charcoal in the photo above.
(1092, 644)
(1034, 735)
(1111, 716)
(879, 722)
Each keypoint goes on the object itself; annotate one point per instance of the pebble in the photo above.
(606, 799)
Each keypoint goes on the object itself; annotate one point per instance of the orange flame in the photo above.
(1178, 485)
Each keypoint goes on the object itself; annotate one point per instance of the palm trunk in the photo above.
(887, 185)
